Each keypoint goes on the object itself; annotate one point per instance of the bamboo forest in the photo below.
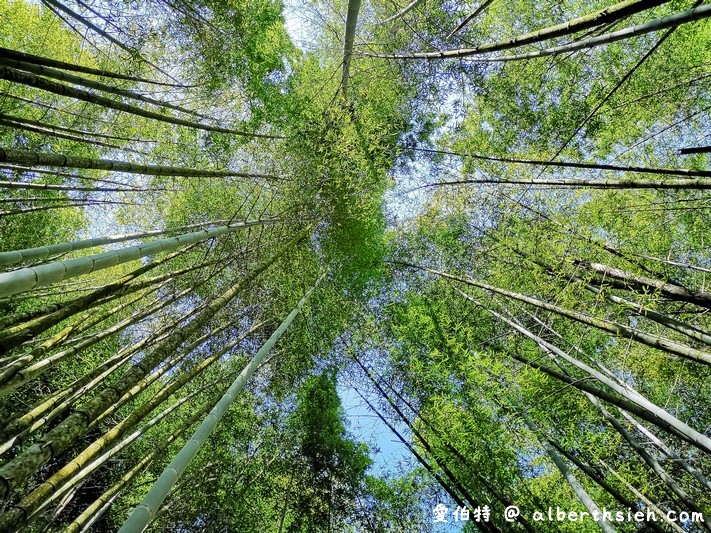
(355, 266)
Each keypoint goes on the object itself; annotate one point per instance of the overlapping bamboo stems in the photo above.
(691, 435)
(94, 511)
(427, 466)
(619, 278)
(111, 452)
(608, 183)
(30, 324)
(29, 159)
(173, 362)
(29, 505)
(39, 82)
(591, 20)
(43, 252)
(653, 341)
(674, 526)
(34, 126)
(83, 135)
(569, 477)
(60, 75)
(586, 166)
(671, 454)
(554, 353)
(20, 371)
(660, 318)
(55, 6)
(53, 187)
(59, 401)
(653, 464)
(40, 60)
(472, 469)
(151, 503)
(670, 21)
(451, 477)
(75, 425)
(587, 470)
(700, 478)
(116, 444)
(69, 335)
(26, 279)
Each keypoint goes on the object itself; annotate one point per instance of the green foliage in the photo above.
(447, 370)
(333, 466)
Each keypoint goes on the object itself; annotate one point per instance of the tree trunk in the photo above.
(47, 159)
(591, 166)
(578, 489)
(645, 284)
(39, 60)
(38, 82)
(26, 279)
(42, 252)
(671, 21)
(93, 84)
(660, 343)
(623, 183)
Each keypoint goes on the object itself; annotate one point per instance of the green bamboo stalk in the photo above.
(126, 441)
(442, 483)
(41, 159)
(651, 462)
(26, 279)
(351, 23)
(151, 378)
(58, 402)
(39, 60)
(409, 7)
(607, 397)
(670, 453)
(660, 343)
(659, 318)
(24, 326)
(99, 506)
(578, 489)
(672, 21)
(615, 423)
(61, 338)
(143, 514)
(47, 490)
(38, 82)
(645, 284)
(482, 7)
(52, 187)
(26, 125)
(55, 5)
(456, 483)
(592, 166)
(93, 84)
(42, 252)
(603, 16)
(623, 183)
(643, 498)
(20, 371)
(658, 412)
